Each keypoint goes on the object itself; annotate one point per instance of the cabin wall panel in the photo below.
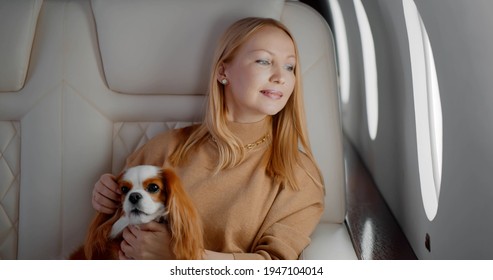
(460, 35)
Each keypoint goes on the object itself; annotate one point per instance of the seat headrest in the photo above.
(18, 21)
(166, 47)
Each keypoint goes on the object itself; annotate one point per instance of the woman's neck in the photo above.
(251, 132)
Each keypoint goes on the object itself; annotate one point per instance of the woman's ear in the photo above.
(221, 72)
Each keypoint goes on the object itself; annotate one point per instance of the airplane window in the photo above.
(370, 68)
(342, 49)
(427, 109)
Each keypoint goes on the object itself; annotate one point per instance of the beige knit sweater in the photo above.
(243, 211)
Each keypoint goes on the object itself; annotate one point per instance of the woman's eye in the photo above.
(152, 188)
(263, 62)
(124, 189)
(289, 67)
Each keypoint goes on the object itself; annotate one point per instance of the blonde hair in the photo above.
(288, 126)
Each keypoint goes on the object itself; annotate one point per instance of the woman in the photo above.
(258, 195)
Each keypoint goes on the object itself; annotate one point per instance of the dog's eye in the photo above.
(152, 188)
(124, 189)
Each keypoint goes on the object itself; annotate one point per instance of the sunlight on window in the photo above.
(427, 109)
(370, 68)
(342, 49)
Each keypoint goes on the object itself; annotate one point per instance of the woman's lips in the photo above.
(273, 94)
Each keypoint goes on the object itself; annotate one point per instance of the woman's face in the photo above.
(260, 76)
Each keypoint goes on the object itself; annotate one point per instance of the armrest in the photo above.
(330, 241)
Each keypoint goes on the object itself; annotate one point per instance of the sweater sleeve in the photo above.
(291, 220)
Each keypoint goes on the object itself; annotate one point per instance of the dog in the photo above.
(149, 193)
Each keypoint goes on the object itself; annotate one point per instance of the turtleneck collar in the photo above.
(251, 132)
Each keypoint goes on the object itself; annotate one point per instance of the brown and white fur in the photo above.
(149, 194)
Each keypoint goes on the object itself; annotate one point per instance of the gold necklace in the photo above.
(256, 143)
(248, 146)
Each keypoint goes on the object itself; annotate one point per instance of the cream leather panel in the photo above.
(17, 25)
(165, 51)
(317, 57)
(129, 136)
(10, 145)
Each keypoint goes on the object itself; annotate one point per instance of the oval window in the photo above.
(342, 50)
(427, 109)
(370, 68)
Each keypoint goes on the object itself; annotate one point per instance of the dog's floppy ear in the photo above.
(120, 176)
(99, 234)
(184, 222)
(99, 231)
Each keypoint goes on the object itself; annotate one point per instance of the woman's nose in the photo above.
(277, 75)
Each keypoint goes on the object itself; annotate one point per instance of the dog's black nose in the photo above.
(134, 197)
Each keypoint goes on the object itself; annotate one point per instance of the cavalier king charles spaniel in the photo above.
(149, 193)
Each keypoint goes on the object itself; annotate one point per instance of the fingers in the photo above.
(154, 226)
(126, 249)
(122, 256)
(131, 243)
(106, 195)
(146, 241)
(130, 234)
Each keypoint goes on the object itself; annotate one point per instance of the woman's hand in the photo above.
(106, 196)
(149, 241)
